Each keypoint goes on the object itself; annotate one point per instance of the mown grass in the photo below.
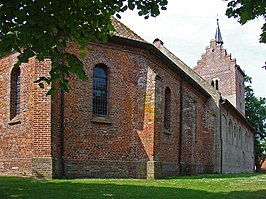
(242, 186)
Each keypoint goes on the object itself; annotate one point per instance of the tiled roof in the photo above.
(124, 31)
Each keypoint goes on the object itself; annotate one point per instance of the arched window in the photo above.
(235, 141)
(235, 129)
(240, 136)
(167, 108)
(224, 127)
(15, 93)
(230, 134)
(246, 140)
(100, 90)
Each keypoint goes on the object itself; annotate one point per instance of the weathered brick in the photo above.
(58, 135)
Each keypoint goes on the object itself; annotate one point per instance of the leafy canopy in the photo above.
(246, 10)
(256, 115)
(43, 28)
(255, 110)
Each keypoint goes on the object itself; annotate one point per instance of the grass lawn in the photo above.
(240, 186)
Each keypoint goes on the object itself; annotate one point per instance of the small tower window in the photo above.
(215, 83)
(15, 93)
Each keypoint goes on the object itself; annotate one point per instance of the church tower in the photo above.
(218, 68)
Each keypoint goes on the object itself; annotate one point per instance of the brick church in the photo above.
(143, 113)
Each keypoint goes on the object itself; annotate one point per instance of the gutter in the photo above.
(242, 118)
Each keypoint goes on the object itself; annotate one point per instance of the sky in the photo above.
(187, 27)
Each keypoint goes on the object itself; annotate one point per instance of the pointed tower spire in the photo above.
(218, 36)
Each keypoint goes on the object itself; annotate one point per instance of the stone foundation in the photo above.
(104, 169)
(194, 169)
(154, 170)
(170, 169)
(42, 168)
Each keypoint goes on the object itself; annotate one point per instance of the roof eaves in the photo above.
(229, 105)
(121, 30)
(156, 52)
(241, 71)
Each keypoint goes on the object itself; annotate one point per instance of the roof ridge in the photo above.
(121, 30)
(188, 71)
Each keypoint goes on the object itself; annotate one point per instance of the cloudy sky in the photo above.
(187, 27)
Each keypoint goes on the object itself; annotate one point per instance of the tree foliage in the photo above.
(260, 156)
(246, 10)
(256, 115)
(43, 28)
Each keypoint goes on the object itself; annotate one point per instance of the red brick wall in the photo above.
(41, 126)
(240, 91)
(26, 137)
(16, 138)
(121, 145)
(95, 148)
(134, 133)
(196, 150)
(216, 63)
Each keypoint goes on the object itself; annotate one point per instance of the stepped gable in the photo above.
(214, 53)
(204, 85)
(221, 71)
(124, 31)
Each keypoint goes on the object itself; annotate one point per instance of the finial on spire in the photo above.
(218, 36)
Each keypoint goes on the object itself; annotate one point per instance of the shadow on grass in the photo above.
(22, 188)
(234, 175)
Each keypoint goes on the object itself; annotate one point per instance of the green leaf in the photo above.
(44, 28)
(23, 58)
(110, 26)
(82, 55)
(41, 85)
(51, 91)
(131, 5)
(54, 30)
(64, 86)
(246, 10)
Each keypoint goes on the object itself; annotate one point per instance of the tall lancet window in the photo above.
(167, 109)
(15, 93)
(100, 90)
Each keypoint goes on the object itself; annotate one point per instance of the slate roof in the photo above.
(124, 31)
(218, 35)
